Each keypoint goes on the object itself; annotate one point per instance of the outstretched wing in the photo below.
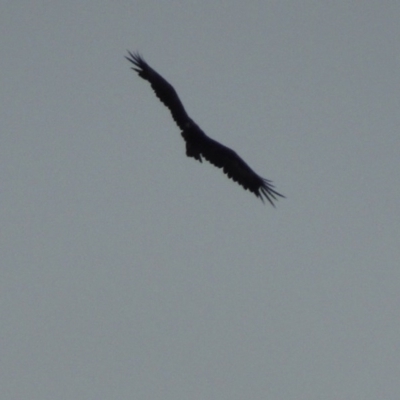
(163, 90)
(231, 163)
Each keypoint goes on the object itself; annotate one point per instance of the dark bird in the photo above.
(198, 144)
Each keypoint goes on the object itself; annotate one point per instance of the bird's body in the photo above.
(198, 144)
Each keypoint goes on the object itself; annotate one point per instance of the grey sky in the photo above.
(132, 272)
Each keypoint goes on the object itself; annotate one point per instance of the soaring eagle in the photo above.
(198, 144)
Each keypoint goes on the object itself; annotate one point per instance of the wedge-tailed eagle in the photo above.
(198, 144)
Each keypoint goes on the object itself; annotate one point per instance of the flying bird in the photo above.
(198, 144)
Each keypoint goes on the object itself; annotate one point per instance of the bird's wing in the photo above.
(163, 90)
(237, 170)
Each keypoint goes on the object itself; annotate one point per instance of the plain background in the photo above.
(129, 271)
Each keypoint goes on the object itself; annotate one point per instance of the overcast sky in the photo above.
(129, 271)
